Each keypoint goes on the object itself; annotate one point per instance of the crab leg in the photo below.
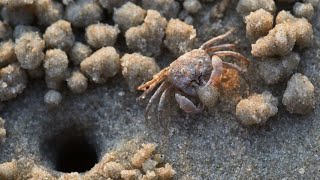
(215, 77)
(207, 44)
(162, 87)
(220, 47)
(150, 85)
(162, 102)
(232, 54)
(233, 66)
(162, 98)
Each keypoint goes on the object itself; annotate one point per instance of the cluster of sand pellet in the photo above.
(288, 31)
(59, 35)
(305, 10)
(7, 54)
(273, 70)
(101, 65)
(67, 44)
(177, 42)
(142, 163)
(167, 8)
(147, 38)
(55, 66)
(299, 96)
(245, 7)
(129, 162)
(110, 5)
(129, 15)
(101, 35)
(148, 31)
(276, 60)
(192, 6)
(29, 50)
(257, 109)
(13, 80)
(8, 170)
(83, 13)
(133, 69)
(259, 23)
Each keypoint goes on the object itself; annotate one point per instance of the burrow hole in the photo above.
(70, 150)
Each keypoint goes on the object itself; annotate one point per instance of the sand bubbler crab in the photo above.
(195, 74)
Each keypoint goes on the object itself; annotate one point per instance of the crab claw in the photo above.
(187, 105)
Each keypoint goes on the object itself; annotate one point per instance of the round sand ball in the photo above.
(244, 7)
(55, 63)
(192, 6)
(129, 15)
(259, 23)
(304, 10)
(180, 37)
(83, 13)
(284, 16)
(13, 80)
(59, 35)
(279, 41)
(77, 83)
(273, 70)
(7, 54)
(147, 38)
(101, 65)
(167, 8)
(257, 109)
(101, 35)
(48, 11)
(53, 98)
(301, 28)
(21, 29)
(5, 31)
(79, 52)
(137, 69)
(299, 96)
(29, 50)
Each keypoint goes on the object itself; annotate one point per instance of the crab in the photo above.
(191, 72)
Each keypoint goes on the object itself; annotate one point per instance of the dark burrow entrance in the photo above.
(71, 150)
